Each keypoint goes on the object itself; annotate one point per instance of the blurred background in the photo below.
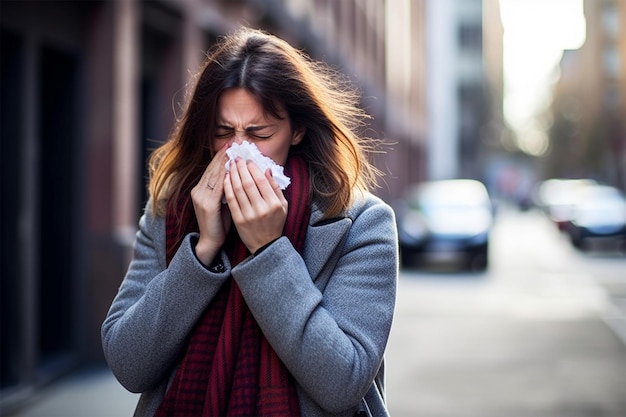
(524, 99)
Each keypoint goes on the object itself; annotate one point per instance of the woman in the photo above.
(242, 298)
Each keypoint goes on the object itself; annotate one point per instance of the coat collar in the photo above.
(323, 241)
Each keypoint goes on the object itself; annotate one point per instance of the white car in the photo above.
(446, 219)
(558, 196)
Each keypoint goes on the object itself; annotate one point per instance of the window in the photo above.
(470, 36)
(611, 62)
(610, 20)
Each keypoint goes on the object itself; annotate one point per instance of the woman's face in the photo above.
(240, 116)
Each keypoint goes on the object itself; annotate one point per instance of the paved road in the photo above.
(528, 338)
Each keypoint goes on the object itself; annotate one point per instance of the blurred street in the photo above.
(535, 336)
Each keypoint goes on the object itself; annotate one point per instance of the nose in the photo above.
(239, 136)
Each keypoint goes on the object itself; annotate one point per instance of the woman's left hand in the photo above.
(257, 205)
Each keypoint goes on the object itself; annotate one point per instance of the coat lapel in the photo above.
(324, 239)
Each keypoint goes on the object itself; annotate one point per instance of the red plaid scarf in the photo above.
(229, 368)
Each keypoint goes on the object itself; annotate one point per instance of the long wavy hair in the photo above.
(315, 97)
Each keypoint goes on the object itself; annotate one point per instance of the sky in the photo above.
(535, 34)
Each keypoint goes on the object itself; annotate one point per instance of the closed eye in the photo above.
(224, 132)
(260, 136)
(258, 132)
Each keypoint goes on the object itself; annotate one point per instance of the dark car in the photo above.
(447, 220)
(599, 212)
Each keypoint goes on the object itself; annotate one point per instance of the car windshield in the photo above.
(452, 196)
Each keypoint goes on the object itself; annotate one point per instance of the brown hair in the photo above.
(314, 96)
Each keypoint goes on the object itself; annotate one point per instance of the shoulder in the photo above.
(373, 225)
(364, 202)
(365, 209)
(151, 233)
(370, 205)
(151, 220)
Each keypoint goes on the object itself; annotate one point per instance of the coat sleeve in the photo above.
(333, 341)
(147, 325)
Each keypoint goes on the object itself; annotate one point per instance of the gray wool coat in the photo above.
(327, 313)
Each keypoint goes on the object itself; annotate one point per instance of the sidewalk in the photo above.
(96, 392)
(87, 393)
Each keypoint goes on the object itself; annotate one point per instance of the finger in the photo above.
(263, 185)
(220, 155)
(232, 187)
(274, 185)
(229, 193)
(244, 187)
(264, 196)
(212, 177)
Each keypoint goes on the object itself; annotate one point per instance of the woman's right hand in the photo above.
(213, 216)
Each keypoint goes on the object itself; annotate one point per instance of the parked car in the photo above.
(448, 220)
(557, 197)
(599, 212)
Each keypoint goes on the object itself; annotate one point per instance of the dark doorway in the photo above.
(58, 126)
(11, 60)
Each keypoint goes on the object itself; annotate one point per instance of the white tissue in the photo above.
(249, 152)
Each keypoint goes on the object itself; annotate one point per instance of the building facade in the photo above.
(588, 111)
(464, 86)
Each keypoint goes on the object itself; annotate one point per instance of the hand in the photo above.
(257, 204)
(213, 217)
